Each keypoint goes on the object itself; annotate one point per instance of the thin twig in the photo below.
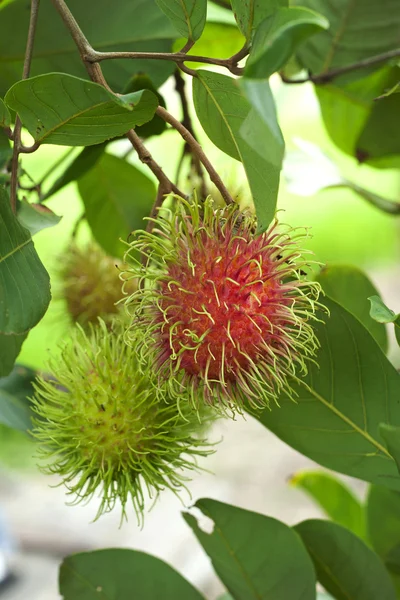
(178, 57)
(18, 126)
(95, 73)
(29, 149)
(198, 150)
(187, 122)
(161, 193)
(147, 159)
(327, 77)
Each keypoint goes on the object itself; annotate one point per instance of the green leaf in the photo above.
(358, 30)
(85, 160)
(24, 282)
(335, 499)
(69, 111)
(36, 217)
(119, 574)
(156, 125)
(351, 288)
(187, 16)
(350, 390)
(256, 557)
(14, 406)
(230, 121)
(5, 149)
(117, 196)
(383, 522)
(219, 40)
(13, 412)
(382, 314)
(5, 117)
(250, 13)
(277, 37)
(391, 435)
(345, 566)
(10, 347)
(360, 126)
(136, 25)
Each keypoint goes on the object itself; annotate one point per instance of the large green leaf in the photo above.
(85, 160)
(256, 557)
(358, 29)
(351, 288)
(345, 566)
(335, 499)
(236, 127)
(66, 110)
(14, 405)
(10, 347)
(24, 282)
(117, 196)
(5, 149)
(383, 523)
(359, 125)
(5, 117)
(119, 574)
(391, 435)
(187, 16)
(250, 13)
(341, 403)
(277, 37)
(137, 25)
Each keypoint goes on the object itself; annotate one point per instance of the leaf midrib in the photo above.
(16, 249)
(233, 554)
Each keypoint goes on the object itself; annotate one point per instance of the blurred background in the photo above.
(251, 468)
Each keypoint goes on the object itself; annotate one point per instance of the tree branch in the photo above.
(18, 126)
(327, 77)
(147, 159)
(198, 150)
(95, 73)
(93, 57)
(187, 122)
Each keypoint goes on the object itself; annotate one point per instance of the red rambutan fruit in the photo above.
(223, 315)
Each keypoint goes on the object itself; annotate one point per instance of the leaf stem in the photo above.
(18, 126)
(198, 150)
(327, 77)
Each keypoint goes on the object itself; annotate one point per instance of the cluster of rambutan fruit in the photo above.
(205, 317)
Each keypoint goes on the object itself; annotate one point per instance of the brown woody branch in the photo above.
(18, 148)
(323, 78)
(198, 150)
(95, 73)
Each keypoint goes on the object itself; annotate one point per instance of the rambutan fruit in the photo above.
(90, 283)
(102, 428)
(223, 315)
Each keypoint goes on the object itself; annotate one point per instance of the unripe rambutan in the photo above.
(90, 283)
(103, 429)
(223, 314)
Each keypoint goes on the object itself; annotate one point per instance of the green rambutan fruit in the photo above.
(223, 315)
(90, 283)
(103, 429)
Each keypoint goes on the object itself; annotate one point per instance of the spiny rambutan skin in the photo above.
(224, 316)
(90, 283)
(103, 429)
